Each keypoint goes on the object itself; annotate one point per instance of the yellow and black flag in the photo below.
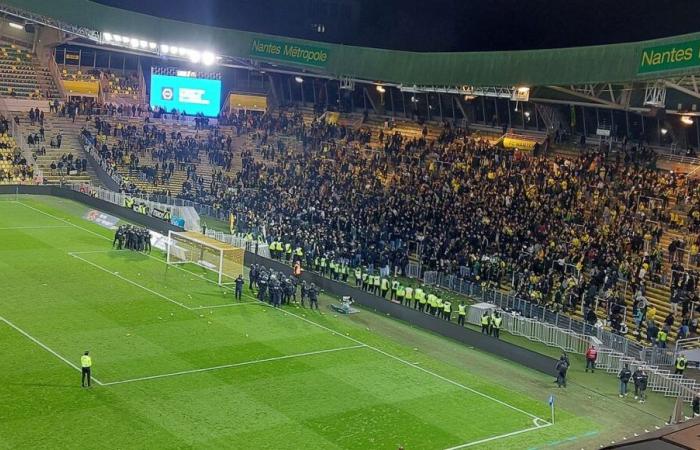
(231, 222)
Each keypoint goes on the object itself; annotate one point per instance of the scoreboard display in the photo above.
(186, 94)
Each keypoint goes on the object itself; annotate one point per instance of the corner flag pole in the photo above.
(551, 405)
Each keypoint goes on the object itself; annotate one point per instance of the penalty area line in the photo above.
(240, 364)
(46, 347)
(164, 297)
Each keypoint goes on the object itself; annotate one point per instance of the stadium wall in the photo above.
(519, 355)
(125, 213)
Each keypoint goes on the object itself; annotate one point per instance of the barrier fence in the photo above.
(251, 245)
(561, 320)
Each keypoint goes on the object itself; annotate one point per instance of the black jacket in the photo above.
(625, 375)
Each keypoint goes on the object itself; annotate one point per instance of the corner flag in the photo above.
(550, 400)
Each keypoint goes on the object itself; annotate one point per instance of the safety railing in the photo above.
(659, 379)
(251, 245)
(528, 309)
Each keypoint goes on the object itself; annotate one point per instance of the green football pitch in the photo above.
(178, 363)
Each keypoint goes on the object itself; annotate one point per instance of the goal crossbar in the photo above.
(194, 248)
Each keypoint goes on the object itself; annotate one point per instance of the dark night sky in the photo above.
(447, 25)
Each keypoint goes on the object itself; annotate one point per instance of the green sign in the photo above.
(289, 52)
(670, 57)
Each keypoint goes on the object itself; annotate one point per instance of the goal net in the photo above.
(193, 248)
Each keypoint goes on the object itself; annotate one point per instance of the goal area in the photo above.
(221, 258)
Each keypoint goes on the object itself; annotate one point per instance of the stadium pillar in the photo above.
(301, 89)
(403, 102)
(427, 104)
(289, 86)
(452, 106)
(612, 122)
(697, 134)
(495, 108)
(391, 102)
(627, 123)
(483, 109)
(442, 117)
(597, 119)
(583, 116)
(510, 119)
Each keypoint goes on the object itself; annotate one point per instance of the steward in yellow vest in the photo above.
(461, 313)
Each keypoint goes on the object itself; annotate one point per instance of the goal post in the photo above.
(194, 248)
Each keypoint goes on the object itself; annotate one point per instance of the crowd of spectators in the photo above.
(564, 232)
(569, 233)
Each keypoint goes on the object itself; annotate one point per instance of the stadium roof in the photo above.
(615, 63)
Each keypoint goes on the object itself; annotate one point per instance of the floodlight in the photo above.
(16, 26)
(208, 58)
(164, 48)
(143, 44)
(107, 36)
(298, 79)
(195, 56)
(664, 131)
(687, 120)
(152, 45)
(183, 51)
(134, 42)
(117, 38)
(380, 89)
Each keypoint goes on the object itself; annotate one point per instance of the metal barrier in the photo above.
(413, 270)
(253, 246)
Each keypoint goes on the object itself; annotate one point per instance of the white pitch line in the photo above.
(500, 436)
(46, 347)
(64, 221)
(164, 297)
(227, 305)
(227, 366)
(38, 227)
(415, 366)
(178, 268)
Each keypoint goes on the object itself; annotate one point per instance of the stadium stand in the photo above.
(617, 239)
(64, 163)
(22, 76)
(14, 168)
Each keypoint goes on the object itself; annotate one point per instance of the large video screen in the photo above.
(189, 95)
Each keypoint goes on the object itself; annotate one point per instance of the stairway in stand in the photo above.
(70, 144)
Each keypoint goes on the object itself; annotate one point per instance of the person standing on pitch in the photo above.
(86, 364)
(562, 367)
(485, 323)
(313, 296)
(239, 287)
(462, 313)
(591, 356)
(624, 376)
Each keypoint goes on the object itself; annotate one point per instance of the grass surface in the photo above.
(182, 365)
